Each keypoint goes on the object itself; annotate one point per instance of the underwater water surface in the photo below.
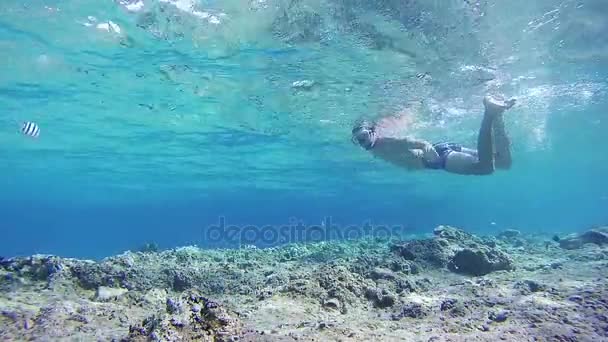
(161, 118)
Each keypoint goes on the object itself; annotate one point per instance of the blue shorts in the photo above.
(443, 150)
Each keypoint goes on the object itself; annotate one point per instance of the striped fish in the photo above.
(31, 129)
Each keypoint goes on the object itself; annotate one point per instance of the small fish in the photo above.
(31, 129)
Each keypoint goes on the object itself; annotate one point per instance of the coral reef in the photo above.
(598, 236)
(459, 251)
(453, 286)
(188, 318)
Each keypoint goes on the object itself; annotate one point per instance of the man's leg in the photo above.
(485, 143)
(502, 143)
(469, 163)
(483, 164)
(494, 108)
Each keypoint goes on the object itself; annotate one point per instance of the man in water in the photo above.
(493, 145)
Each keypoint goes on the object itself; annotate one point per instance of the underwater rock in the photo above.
(407, 286)
(91, 275)
(202, 320)
(455, 307)
(55, 320)
(404, 250)
(108, 293)
(433, 252)
(411, 310)
(382, 273)
(332, 303)
(10, 281)
(346, 277)
(380, 263)
(12, 321)
(265, 293)
(571, 242)
(173, 306)
(490, 242)
(380, 297)
(349, 277)
(177, 270)
(181, 280)
(512, 237)
(53, 270)
(36, 267)
(528, 286)
(498, 317)
(480, 261)
(453, 234)
(598, 236)
(404, 266)
(508, 234)
(459, 251)
(448, 304)
(336, 281)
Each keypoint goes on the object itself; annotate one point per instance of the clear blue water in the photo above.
(179, 113)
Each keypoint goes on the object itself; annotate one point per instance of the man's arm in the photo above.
(427, 151)
(417, 147)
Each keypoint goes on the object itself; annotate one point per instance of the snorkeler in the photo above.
(493, 144)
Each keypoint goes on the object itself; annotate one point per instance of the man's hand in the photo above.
(428, 148)
(417, 153)
(428, 152)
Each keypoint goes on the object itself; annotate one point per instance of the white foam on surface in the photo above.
(188, 6)
(109, 26)
(132, 5)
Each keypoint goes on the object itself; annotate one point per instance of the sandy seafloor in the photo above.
(451, 287)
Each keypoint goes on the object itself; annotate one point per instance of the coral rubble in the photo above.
(454, 286)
